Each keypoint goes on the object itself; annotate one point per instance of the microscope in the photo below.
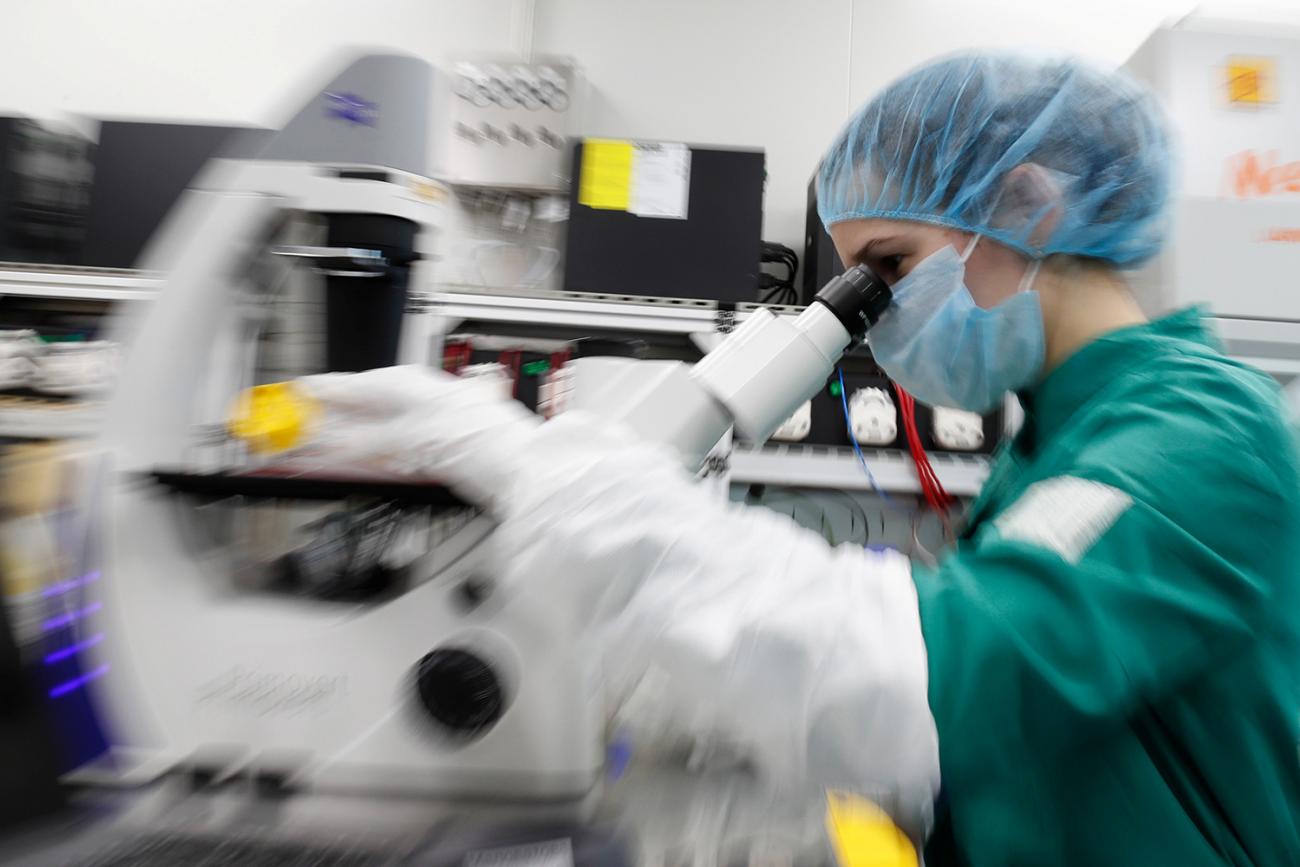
(187, 650)
(185, 656)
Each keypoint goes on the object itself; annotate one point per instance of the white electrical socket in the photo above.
(797, 426)
(872, 417)
(958, 430)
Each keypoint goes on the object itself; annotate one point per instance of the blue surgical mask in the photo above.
(938, 344)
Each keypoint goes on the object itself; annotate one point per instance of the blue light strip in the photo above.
(78, 682)
(64, 652)
(71, 584)
(71, 617)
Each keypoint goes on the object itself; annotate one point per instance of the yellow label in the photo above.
(605, 178)
(1251, 80)
(864, 836)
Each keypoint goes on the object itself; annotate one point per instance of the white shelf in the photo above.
(820, 467)
(605, 313)
(81, 284)
(1272, 345)
(54, 421)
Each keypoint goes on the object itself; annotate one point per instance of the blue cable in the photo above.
(857, 449)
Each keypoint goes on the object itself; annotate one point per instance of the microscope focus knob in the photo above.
(460, 690)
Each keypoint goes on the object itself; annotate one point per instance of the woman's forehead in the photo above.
(856, 236)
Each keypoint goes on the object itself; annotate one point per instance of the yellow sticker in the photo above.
(1251, 80)
(864, 836)
(605, 178)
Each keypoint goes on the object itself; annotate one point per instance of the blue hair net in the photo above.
(1042, 156)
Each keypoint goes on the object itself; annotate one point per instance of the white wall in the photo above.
(765, 73)
(784, 75)
(778, 74)
(222, 60)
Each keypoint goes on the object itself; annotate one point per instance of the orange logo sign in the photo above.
(1252, 175)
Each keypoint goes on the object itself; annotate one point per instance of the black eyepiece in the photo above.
(857, 298)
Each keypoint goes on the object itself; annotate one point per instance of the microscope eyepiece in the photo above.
(857, 298)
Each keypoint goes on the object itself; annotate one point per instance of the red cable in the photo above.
(941, 498)
(938, 498)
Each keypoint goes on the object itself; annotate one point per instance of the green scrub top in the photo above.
(1113, 642)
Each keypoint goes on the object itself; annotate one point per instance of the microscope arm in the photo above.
(754, 379)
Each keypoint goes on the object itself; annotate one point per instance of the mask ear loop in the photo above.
(970, 248)
(1026, 280)
(1031, 274)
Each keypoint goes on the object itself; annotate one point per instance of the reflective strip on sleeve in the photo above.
(1064, 515)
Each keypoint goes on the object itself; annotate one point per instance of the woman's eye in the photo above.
(889, 266)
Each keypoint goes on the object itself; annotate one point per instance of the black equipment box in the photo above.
(141, 169)
(820, 261)
(713, 253)
(45, 178)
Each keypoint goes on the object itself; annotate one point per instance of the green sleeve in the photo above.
(1032, 651)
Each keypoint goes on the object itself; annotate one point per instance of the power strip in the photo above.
(957, 430)
(873, 417)
(797, 427)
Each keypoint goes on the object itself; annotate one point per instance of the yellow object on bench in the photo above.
(864, 836)
(272, 418)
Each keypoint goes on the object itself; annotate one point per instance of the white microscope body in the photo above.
(425, 691)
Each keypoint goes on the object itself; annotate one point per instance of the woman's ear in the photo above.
(1031, 197)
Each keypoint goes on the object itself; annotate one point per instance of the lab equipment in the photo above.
(873, 417)
(127, 203)
(45, 178)
(1043, 156)
(750, 383)
(75, 368)
(821, 261)
(937, 343)
(956, 429)
(507, 123)
(27, 745)
(797, 426)
(189, 656)
(18, 350)
(831, 415)
(753, 380)
(665, 220)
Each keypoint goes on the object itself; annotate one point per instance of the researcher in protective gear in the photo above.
(1104, 664)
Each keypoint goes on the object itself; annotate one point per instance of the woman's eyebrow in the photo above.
(865, 249)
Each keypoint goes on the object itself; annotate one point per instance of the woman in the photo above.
(1106, 656)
